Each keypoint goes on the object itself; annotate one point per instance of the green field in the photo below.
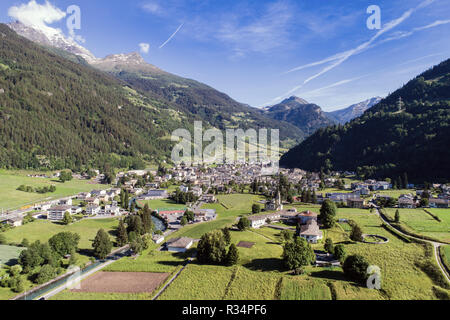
(8, 254)
(199, 283)
(162, 204)
(403, 274)
(445, 255)
(151, 260)
(11, 198)
(43, 230)
(423, 223)
(294, 288)
(395, 193)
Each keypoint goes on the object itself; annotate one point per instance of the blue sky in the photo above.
(260, 52)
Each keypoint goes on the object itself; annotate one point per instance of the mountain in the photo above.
(189, 97)
(52, 38)
(407, 132)
(354, 111)
(306, 116)
(56, 114)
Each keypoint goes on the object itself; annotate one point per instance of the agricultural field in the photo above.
(13, 199)
(43, 230)
(295, 288)
(198, 282)
(423, 223)
(395, 193)
(445, 255)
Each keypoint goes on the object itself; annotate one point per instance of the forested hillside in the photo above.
(58, 114)
(408, 132)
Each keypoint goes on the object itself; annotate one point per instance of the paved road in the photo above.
(436, 245)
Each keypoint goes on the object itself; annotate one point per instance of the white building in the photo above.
(93, 210)
(180, 244)
(57, 213)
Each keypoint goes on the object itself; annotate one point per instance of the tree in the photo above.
(329, 247)
(67, 219)
(64, 243)
(137, 245)
(405, 180)
(355, 267)
(212, 248)
(339, 252)
(190, 216)
(46, 274)
(232, 255)
(102, 244)
(256, 208)
(15, 270)
(243, 224)
(147, 221)
(328, 214)
(298, 253)
(184, 221)
(397, 216)
(25, 243)
(356, 234)
(226, 235)
(134, 223)
(65, 176)
(122, 234)
(286, 235)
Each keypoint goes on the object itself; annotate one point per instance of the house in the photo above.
(111, 210)
(307, 216)
(155, 194)
(93, 210)
(356, 203)
(98, 193)
(65, 202)
(184, 189)
(92, 201)
(83, 195)
(406, 201)
(342, 197)
(208, 198)
(57, 213)
(158, 238)
(260, 220)
(15, 221)
(76, 210)
(179, 244)
(311, 232)
(202, 215)
(439, 203)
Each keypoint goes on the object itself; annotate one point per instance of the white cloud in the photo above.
(153, 8)
(38, 16)
(145, 47)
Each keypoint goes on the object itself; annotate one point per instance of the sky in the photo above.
(260, 52)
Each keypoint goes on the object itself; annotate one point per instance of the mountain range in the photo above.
(408, 132)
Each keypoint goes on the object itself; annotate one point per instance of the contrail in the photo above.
(173, 35)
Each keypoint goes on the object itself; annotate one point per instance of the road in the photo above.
(436, 245)
(160, 292)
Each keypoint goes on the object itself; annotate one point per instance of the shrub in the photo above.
(355, 268)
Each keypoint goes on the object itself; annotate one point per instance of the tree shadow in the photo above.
(270, 264)
(11, 262)
(86, 252)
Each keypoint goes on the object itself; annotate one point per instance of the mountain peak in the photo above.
(295, 99)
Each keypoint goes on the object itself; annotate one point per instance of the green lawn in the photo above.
(13, 199)
(8, 254)
(43, 230)
(445, 254)
(162, 204)
(423, 223)
(395, 193)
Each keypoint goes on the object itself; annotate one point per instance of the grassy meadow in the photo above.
(11, 198)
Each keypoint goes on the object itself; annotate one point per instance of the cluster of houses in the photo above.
(308, 221)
